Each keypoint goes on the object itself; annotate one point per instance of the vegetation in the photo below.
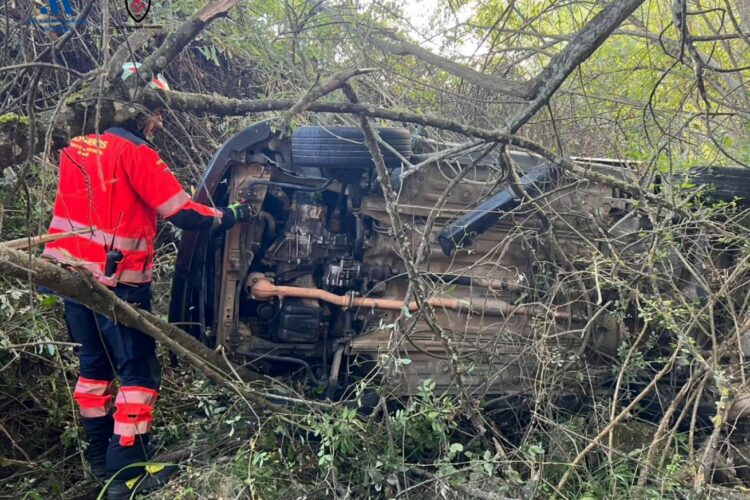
(665, 88)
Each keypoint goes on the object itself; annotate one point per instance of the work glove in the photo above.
(241, 212)
(236, 212)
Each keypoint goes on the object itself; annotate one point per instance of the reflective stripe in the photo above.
(91, 386)
(173, 204)
(97, 268)
(93, 412)
(129, 276)
(58, 254)
(92, 406)
(133, 415)
(136, 395)
(203, 209)
(61, 255)
(94, 397)
(128, 431)
(101, 237)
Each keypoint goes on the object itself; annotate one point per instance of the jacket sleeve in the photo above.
(190, 217)
(159, 189)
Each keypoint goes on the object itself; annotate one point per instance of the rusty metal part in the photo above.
(467, 280)
(237, 255)
(261, 288)
(333, 377)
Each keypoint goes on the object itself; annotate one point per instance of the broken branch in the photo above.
(100, 299)
(182, 36)
(319, 90)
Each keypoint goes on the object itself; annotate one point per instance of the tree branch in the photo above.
(319, 90)
(398, 46)
(582, 45)
(222, 106)
(125, 52)
(577, 51)
(179, 38)
(100, 299)
(14, 129)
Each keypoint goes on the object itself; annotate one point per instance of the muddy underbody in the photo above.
(316, 283)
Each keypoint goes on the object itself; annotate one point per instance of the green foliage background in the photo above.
(635, 98)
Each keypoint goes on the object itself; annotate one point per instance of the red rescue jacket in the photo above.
(115, 184)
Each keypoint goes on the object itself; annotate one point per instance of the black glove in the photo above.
(241, 212)
(237, 212)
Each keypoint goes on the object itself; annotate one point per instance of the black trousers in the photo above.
(111, 350)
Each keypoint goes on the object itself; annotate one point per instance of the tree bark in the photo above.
(179, 38)
(399, 47)
(92, 294)
(14, 129)
(577, 51)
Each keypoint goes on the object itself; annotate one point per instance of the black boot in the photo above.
(152, 477)
(119, 457)
(129, 480)
(98, 433)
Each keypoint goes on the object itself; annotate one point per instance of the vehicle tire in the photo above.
(341, 153)
(725, 183)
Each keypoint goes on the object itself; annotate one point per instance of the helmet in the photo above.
(157, 82)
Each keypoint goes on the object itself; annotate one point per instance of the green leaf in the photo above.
(489, 468)
(405, 311)
(49, 301)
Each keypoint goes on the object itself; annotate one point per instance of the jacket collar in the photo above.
(128, 136)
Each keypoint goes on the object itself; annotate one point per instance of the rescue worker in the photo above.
(116, 184)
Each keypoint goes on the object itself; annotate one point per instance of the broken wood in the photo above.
(83, 288)
(32, 241)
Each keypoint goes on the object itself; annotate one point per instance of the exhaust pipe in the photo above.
(262, 289)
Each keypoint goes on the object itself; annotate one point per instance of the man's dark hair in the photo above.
(135, 125)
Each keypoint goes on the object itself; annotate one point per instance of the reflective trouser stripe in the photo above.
(134, 412)
(128, 431)
(94, 397)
